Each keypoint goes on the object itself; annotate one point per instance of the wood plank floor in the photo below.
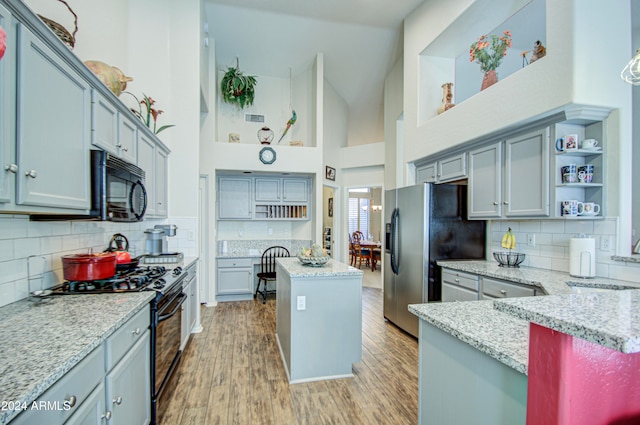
(231, 373)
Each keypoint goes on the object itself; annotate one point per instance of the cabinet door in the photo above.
(54, 105)
(146, 161)
(456, 293)
(234, 281)
(426, 174)
(128, 386)
(234, 198)
(485, 182)
(8, 166)
(267, 189)
(194, 305)
(161, 182)
(526, 175)
(452, 168)
(127, 139)
(294, 190)
(104, 124)
(92, 410)
(185, 318)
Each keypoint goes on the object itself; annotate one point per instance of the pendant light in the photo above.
(631, 72)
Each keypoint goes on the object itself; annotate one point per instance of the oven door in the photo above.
(167, 348)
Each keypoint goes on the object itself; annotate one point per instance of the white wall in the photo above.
(567, 75)
(393, 107)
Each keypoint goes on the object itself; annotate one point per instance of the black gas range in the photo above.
(166, 316)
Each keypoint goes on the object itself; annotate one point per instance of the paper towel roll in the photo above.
(582, 257)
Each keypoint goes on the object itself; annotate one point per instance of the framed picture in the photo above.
(330, 173)
(330, 207)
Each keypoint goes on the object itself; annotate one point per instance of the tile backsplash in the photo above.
(551, 250)
(21, 239)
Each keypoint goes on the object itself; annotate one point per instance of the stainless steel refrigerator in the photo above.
(424, 223)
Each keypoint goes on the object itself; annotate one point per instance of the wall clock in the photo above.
(267, 155)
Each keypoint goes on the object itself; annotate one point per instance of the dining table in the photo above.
(372, 247)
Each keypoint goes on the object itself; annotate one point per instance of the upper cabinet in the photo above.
(443, 170)
(53, 128)
(53, 110)
(510, 179)
(153, 159)
(263, 198)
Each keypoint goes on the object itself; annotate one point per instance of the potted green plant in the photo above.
(236, 88)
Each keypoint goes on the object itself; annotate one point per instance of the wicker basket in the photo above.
(62, 33)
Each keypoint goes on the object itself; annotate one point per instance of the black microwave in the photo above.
(117, 192)
(117, 189)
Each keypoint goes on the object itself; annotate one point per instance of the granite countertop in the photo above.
(500, 328)
(477, 323)
(295, 268)
(43, 341)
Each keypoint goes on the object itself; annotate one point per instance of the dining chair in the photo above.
(268, 269)
(360, 252)
(352, 252)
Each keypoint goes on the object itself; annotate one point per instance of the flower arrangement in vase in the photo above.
(3, 42)
(150, 113)
(489, 51)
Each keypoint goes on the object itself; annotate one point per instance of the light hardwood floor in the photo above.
(231, 373)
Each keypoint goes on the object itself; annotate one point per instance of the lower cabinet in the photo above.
(235, 276)
(493, 288)
(110, 386)
(190, 306)
(459, 286)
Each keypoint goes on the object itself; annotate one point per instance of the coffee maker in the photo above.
(156, 243)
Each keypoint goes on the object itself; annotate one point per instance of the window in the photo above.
(359, 214)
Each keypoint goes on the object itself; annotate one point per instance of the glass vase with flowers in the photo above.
(488, 52)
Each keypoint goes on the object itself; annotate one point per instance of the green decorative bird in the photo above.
(291, 122)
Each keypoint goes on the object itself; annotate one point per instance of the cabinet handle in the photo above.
(506, 203)
(72, 400)
(106, 416)
(136, 331)
(503, 292)
(126, 149)
(12, 168)
(496, 203)
(31, 173)
(457, 280)
(117, 400)
(118, 145)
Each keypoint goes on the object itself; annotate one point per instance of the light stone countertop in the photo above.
(607, 318)
(294, 268)
(43, 341)
(477, 323)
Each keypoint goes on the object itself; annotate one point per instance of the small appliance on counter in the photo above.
(156, 250)
(582, 256)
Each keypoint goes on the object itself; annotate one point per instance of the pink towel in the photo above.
(3, 42)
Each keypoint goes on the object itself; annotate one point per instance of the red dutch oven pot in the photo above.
(84, 267)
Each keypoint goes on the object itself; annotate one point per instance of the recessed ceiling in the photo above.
(359, 39)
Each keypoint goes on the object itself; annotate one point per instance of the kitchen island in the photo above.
(479, 352)
(318, 319)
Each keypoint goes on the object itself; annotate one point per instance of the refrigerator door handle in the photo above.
(395, 260)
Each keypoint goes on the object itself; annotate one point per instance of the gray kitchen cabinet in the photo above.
(127, 386)
(92, 411)
(444, 170)
(459, 286)
(281, 189)
(295, 190)
(153, 158)
(234, 198)
(234, 276)
(510, 179)
(485, 182)
(8, 164)
(190, 306)
(494, 288)
(53, 128)
(268, 189)
(111, 130)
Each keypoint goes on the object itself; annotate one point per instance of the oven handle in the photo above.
(164, 317)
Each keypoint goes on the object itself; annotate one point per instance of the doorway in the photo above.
(365, 215)
(328, 223)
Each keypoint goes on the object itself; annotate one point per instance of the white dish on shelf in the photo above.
(596, 149)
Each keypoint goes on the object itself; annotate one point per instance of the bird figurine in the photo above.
(291, 122)
(538, 52)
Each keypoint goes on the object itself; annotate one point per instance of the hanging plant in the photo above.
(236, 88)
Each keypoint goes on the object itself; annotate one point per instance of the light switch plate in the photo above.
(301, 302)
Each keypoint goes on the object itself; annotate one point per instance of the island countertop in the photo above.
(43, 341)
(294, 268)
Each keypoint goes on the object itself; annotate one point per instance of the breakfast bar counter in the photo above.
(318, 319)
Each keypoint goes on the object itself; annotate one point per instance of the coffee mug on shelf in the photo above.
(588, 144)
(567, 143)
(569, 208)
(585, 173)
(588, 208)
(569, 173)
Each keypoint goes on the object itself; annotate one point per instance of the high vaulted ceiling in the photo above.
(360, 41)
